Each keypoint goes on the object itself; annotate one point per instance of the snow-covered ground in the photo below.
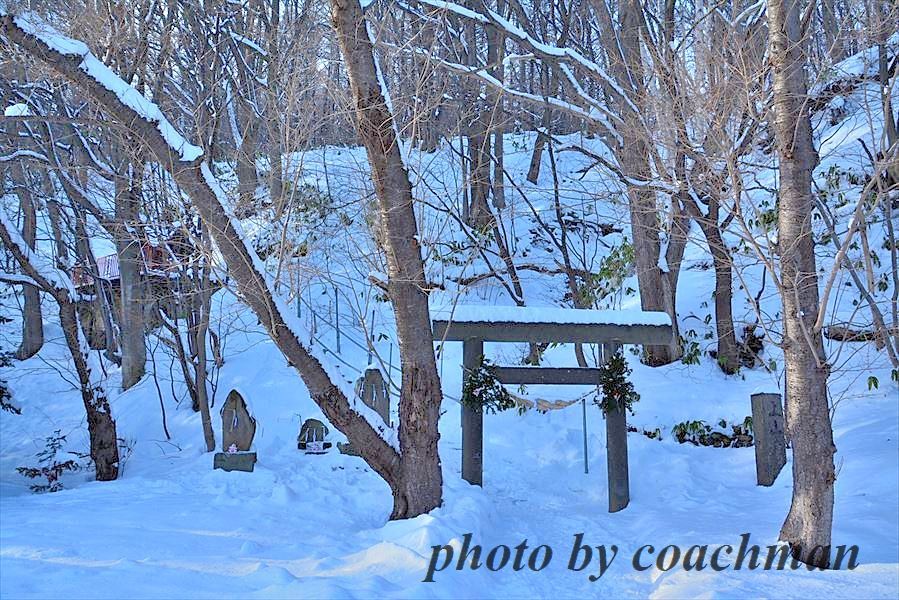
(316, 526)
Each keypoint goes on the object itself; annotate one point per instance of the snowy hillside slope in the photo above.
(316, 526)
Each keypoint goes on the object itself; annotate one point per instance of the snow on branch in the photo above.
(242, 39)
(539, 48)
(37, 269)
(17, 279)
(328, 386)
(592, 114)
(102, 74)
(20, 154)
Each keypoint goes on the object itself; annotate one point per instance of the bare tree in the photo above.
(32, 323)
(412, 466)
(808, 525)
(38, 272)
(420, 481)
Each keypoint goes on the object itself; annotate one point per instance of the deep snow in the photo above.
(316, 526)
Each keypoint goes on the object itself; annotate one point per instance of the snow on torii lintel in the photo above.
(462, 313)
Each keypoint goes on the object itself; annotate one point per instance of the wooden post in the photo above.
(770, 443)
(616, 448)
(472, 420)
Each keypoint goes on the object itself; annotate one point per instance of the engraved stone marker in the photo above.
(770, 443)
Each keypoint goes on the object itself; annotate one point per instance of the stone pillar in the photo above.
(472, 419)
(616, 448)
(769, 440)
(374, 393)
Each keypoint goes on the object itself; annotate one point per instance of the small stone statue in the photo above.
(312, 437)
(238, 426)
(238, 430)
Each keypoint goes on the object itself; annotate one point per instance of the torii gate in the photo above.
(474, 325)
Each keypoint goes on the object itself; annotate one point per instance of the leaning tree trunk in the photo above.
(545, 122)
(809, 521)
(412, 471)
(100, 424)
(537, 154)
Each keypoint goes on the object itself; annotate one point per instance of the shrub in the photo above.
(50, 468)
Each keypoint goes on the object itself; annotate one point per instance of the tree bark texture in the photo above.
(809, 521)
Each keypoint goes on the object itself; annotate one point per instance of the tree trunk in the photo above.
(809, 521)
(202, 300)
(418, 486)
(832, 37)
(728, 350)
(247, 178)
(102, 304)
(656, 290)
(413, 472)
(274, 109)
(200, 366)
(32, 323)
(537, 153)
(100, 424)
(543, 129)
(657, 286)
(131, 283)
(495, 54)
(480, 216)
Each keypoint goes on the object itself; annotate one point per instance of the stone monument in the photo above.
(238, 430)
(312, 437)
(770, 440)
(375, 394)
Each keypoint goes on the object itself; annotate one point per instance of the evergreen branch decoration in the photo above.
(483, 391)
(617, 390)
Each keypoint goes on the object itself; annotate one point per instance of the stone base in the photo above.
(241, 461)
